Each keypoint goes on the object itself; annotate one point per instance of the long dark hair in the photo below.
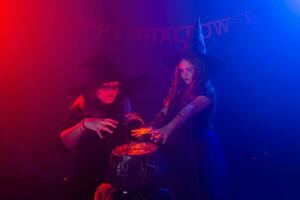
(181, 92)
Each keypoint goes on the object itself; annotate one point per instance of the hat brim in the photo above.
(128, 85)
(213, 63)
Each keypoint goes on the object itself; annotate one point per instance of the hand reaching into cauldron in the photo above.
(157, 135)
(161, 135)
(99, 125)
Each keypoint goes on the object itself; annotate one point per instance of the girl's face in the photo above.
(108, 92)
(187, 71)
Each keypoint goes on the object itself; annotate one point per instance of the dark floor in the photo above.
(243, 187)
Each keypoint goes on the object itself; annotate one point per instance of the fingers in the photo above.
(156, 135)
(99, 134)
(141, 131)
(99, 125)
(112, 121)
(155, 132)
(137, 134)
(91, 123)
(104, 128)
(98, 120)
(109, 122)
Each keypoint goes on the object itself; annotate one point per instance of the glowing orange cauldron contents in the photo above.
(134, 149)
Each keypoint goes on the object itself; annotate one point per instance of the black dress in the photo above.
(185, 152)
(93, 153)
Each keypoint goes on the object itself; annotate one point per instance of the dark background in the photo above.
(43, 44)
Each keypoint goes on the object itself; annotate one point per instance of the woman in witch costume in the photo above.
(97, 122)
(185, 120)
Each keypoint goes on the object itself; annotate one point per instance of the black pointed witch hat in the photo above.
(101, 69)
(195, 46)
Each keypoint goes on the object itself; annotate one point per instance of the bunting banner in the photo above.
(169, 35)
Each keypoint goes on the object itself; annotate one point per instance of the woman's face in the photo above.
(187, 71)
(108, 92)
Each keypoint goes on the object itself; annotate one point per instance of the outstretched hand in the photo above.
(141, 131)
(161, 135)
(157, 135)
(100, 125)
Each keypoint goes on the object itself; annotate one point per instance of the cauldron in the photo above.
(136, 165)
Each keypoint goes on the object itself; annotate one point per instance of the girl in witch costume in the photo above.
(98, 121)
(184, 123)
